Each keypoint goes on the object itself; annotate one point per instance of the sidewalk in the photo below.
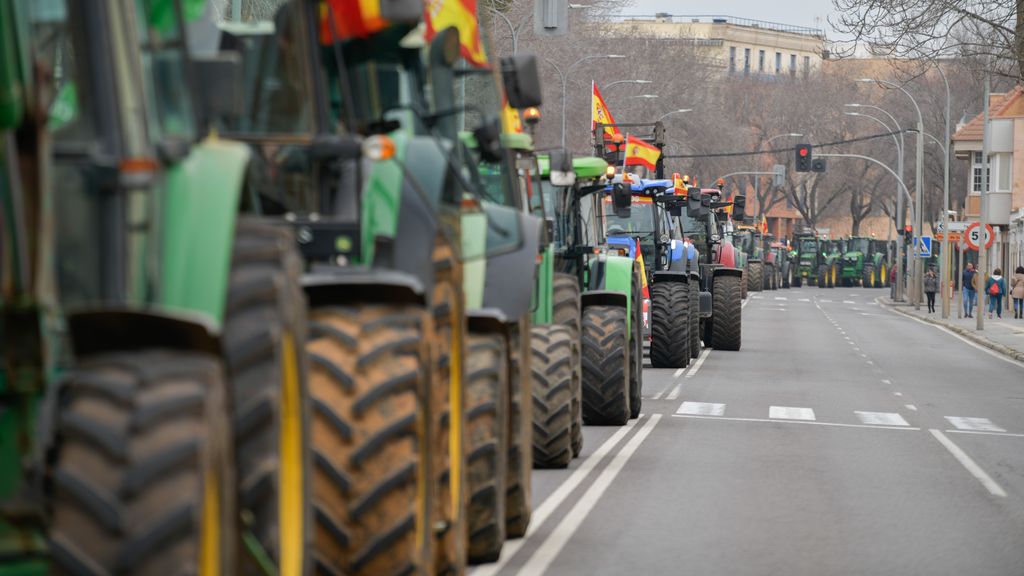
(1005, 336)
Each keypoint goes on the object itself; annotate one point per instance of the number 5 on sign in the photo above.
(973, 236)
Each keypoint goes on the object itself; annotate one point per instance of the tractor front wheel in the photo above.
(552, 396)
(868, 276)
(518, 507)
(566, 311)
(823, 275)
(694, 308)
(755, 281)
(727, 313)
(605, 365)
(670, 325)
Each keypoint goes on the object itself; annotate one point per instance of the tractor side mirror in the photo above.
(220, 75)
(622, 199)
(407, 11)
(488, 140)
(739, 206)
(675, 210)
(560, 171)
(705, 205)
(694, 203)
(522, 80)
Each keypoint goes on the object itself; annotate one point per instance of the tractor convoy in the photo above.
(301, 296)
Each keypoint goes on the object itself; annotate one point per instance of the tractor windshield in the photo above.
(858, 245)
(640, 222)
(808, 246)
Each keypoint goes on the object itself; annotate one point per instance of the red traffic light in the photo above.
(908, 228)
(803, 151)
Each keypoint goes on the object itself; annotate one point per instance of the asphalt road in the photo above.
(842, 439)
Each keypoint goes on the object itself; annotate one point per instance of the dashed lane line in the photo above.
(700, 362)
(553, 544)
(552, 502)
(971, 423)
(969, 463)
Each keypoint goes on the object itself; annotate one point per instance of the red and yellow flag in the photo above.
(346, 19)
(461, 15)
(599, 113)
(510, 121)
(764, 224)
(640, 153)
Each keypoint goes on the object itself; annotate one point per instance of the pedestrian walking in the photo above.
(1017, 292)
(995, 288)
(969, 289)
(931, 286)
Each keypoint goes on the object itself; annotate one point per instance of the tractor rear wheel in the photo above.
(552, 396)
(868, 276)
(823, 274)
(518, 507)
(605, 365)
(727, 313)
(486, 444)
(833, 277)
(566, 311)
(264, 349)
(368, 366)
(883, 277)
(694, 309)
(670, 325)
(756, 280)
(636, 353)
(143, 476)
(797, 280)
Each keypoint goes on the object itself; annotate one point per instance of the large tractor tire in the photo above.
(833, 277)
(868, 276)
(883, 276)
(636, 340)
(755, 281)
(486, 444)
(143, 476)
(797, 280)
(446, 517)
(694, 309)
(552, 357)
(264, 336)
(726, 314)
(823, 276)
(566, 312)
(368, 365)
(518, 507)
(670, 325)
(605, 365)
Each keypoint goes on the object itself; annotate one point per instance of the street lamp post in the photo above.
(899, 197)
(564, 76)
(915, 296)
(757, 175)
(667, 114)
(645, 96)
(944, 264)
(617, 82)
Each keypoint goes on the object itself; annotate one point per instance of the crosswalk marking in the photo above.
(848, 302)
(790, 413)
(881, 418)
(805, 299)
(824, 300)
(701, 409)
(968, 423)
(781, 298)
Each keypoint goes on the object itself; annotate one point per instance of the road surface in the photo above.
(842, 439)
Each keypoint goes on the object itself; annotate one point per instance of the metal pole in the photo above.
(983, 217)
(960, 309)
(919, 209)
(944, 272)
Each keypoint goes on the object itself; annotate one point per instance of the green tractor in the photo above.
(157, 384)
(749, 242)
(865, 262)
(807, 258)
(829, 265)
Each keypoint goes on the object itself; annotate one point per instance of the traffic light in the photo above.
(818, 165)
(803, 157)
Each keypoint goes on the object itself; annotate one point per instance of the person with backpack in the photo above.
(995, 287)
(969, 290)
(931, 286)
(1017, 292)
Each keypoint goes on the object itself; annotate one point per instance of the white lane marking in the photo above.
(700, 362)
(781, 298)
(848, 302)
(855, 309)
(968, 423)
(790, 413)
(854, 294)
(969, 464)
(675, 391)
(863, 355)
(744, 305)
(701, 409)
(986, 433)
(657, 396)
(678, 373)
(897, 393)
(881, 418)
(805, 299)
(911, 407)
(756, 296)
(871, 363)
(886, 381)
(824, 300)
(553, 544)
(836, 424)
(552, 502)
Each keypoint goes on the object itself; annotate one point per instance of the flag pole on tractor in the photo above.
(599, 114)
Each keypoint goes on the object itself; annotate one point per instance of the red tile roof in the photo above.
(1000, 105)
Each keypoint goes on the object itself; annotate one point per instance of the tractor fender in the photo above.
(671, 276)
(487, 320)
(726, 254)
(328, 285)
(110, 329)
(723, 271)
(604, 298)
(511, 276)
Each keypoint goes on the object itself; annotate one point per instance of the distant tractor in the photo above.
(865, 262)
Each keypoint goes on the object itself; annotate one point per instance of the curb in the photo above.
(968, 334)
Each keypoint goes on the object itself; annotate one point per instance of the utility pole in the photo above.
(982, 273)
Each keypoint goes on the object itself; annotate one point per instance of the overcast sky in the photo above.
(810, 13)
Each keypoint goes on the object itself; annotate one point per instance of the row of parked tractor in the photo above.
(298, 295)
(814, 260)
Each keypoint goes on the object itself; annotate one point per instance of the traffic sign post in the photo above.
(973, 236)
(923, 247)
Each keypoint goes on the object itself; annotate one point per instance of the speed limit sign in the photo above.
(973, 236)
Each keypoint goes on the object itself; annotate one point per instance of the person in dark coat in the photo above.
(969, 290)
(931, 286)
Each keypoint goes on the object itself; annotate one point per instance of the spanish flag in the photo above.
(460, 14)
(764, 224)
(599, 113)
(347, 19)
(640, 153)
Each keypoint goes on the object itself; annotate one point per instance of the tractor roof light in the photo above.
(531, 115)
(379, 147)
(609, 172)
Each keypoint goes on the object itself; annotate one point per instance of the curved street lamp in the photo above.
(627, 82)
(564, 76)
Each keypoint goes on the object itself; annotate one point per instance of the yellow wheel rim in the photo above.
(290, 495)
(209, 547)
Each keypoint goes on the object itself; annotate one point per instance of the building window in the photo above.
(746, 60)
(760, 61)
(732, 59)
(778, 62)
(792, 64)
(807, 65)
(976, 170)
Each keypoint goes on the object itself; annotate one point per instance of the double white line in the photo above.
(556, 540)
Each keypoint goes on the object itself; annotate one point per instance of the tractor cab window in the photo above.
(808, 246)
(858, 245)
(558, 208)
(165, 79)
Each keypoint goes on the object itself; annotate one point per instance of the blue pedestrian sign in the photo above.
(923, 247)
